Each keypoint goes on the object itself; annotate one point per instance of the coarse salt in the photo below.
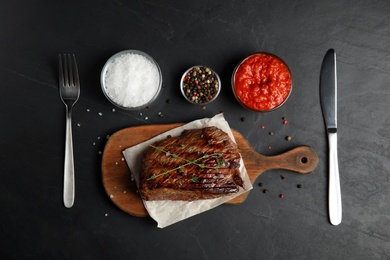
(132, 80)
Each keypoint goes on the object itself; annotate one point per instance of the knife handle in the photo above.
(335, 207)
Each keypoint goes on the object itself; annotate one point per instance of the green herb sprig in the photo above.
(188, 162)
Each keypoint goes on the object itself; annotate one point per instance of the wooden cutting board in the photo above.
(122, 189)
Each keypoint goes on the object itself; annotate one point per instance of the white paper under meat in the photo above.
(168, 212)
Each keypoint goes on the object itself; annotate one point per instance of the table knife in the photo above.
(328, 95)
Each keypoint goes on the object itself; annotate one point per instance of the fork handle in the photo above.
(69, 183)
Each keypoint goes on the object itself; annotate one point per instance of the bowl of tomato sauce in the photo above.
(262, 82)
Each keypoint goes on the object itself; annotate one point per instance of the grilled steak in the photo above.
(198, 164)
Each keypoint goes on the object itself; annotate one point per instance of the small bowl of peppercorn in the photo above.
(200, 85)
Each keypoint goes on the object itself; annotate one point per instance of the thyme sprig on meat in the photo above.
(188, 162)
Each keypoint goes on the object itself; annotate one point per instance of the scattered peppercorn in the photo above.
(169, 101)
(200, 85)
(271, 133)
(285, 122)
(260, 184)
(270, 147)
(262, 127)
(299, 186)
(265, 191)
(204, 107)
(282, 177)
(284, 118)
(242, 119)
(160, 114)
(281, 195)
(288, 138)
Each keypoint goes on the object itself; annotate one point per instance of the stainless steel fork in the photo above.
(69, 86)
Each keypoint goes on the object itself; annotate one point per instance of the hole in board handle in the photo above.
(304, 160)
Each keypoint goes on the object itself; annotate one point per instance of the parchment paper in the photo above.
(169, 212)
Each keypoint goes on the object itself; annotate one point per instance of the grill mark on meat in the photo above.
(198, 164)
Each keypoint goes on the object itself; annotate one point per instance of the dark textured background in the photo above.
(178, 34)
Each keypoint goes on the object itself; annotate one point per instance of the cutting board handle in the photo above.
(301, 159)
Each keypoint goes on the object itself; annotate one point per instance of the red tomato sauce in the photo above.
(262, 82)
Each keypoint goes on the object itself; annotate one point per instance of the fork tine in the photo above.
(69, 62)
(66, 70)
(69, 75)
(75, 77)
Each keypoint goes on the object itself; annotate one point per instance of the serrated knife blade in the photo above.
(328, 95)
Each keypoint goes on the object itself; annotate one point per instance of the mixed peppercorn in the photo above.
(200, 85)
(288, 138)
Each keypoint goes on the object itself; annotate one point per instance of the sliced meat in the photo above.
(198, 164)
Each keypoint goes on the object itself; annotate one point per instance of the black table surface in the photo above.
(34, 222)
